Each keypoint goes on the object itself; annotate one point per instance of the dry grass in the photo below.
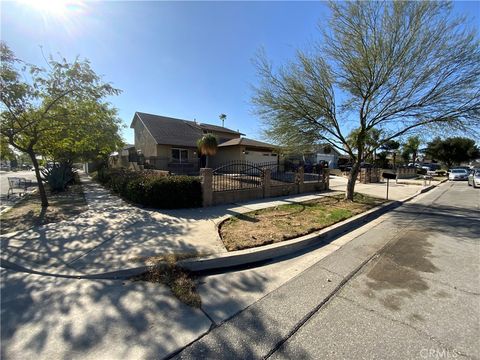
(180, 281)
(28, 212)
(285, 222)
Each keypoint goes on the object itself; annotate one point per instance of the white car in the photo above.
(474, 178)
(458, 174)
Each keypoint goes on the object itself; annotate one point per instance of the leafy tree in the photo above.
(5, 152)
(391, 147)
(371, 141)
(397, 67)
(410, 148)
(223, 117)
(93, 133)
(207, 145)
(38, 106)
(452, 151)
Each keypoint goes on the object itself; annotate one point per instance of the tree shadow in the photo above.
(53, 317)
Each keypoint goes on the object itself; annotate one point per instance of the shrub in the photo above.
(59, 176)
(173, 192)
(153, 190)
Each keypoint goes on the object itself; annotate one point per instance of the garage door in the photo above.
(258, 157)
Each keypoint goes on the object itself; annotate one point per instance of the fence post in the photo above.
(300, 179)
(326, 178)
(266, 182)
(206, 175)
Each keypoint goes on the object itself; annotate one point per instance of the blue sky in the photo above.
(189, 60)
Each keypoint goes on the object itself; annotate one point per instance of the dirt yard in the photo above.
(267, 226)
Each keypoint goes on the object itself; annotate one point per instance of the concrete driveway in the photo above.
(395, 192)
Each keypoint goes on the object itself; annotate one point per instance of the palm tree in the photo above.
(223, 117)
(207, 146)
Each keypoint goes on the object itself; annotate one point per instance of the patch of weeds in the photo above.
(180, 281)
(339, 214)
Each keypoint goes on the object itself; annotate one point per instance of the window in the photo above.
(179, 155)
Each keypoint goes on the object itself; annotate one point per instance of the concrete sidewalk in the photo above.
(114, 235)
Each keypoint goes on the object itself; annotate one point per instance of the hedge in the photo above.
(149, 189)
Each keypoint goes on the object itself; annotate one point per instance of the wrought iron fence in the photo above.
(237, 175)
(312, 177)
(279, 172)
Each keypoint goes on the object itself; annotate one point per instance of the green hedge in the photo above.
(149, 189)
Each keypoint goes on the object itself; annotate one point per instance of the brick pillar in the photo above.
(207, 186)
(326, 179)
(266, 182)
(300, 179)
(363, 175)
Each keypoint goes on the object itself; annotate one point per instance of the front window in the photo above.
(180, 155)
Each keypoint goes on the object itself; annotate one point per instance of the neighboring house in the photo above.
(327, 153)
(122, 157)
(317, 154)
(171, 144)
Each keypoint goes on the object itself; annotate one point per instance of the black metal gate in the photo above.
(237, 175)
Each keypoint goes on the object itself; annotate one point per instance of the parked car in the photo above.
(458, 174)
(474, 178)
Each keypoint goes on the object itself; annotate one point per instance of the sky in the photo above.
(187, 60)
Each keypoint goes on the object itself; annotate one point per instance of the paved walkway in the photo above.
(114, 235)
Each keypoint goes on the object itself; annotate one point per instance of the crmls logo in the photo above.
(438, 354)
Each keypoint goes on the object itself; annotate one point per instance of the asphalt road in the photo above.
(4, 175)
(418, 298)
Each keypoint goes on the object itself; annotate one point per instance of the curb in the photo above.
(238, 258)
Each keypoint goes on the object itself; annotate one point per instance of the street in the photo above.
(418, 298)
(406, 288)
(4, 175)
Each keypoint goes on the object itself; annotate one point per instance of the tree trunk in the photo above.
(41, 188)
(352, 179)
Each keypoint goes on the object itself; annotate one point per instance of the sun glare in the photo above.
(57, 8)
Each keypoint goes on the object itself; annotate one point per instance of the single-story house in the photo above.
(171, 144)
(317, 154)
(122, 157)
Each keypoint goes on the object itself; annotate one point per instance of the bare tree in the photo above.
(389, 67)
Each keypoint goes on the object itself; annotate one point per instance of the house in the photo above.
(171, 144)
(317, 154)
(123, 157)
(328, 154)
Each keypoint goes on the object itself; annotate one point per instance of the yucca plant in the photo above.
(207, 146)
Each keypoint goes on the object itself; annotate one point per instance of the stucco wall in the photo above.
(144, 141)
(226, 154)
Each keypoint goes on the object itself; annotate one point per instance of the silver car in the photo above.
(474, 178)
(458, 174)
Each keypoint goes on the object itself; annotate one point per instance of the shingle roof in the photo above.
(171, 131)
(219, 129)
(247, 142)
